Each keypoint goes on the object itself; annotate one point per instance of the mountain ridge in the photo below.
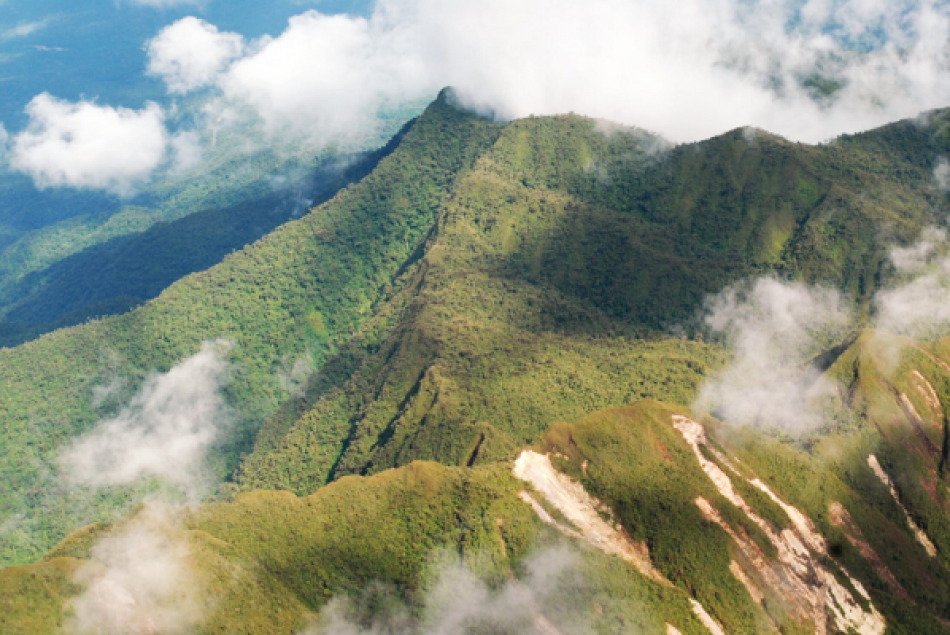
(483, 283)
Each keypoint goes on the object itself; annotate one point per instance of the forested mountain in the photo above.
(404, 358)
(121, 273)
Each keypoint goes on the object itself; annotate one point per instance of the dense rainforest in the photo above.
(474, 296)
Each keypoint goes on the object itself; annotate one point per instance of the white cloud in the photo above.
(139, 580)
(85, 145)
(293, 377)
(687, 69)
(165, 432)
(459, 603)
(326, 75)
(4, 142)
(919, 304)
(191, 53)
(773, 329)
(23, 30)
(140, 577)
(186, 151)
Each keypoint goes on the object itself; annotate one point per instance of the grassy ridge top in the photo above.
(272, 560)
(267, 562)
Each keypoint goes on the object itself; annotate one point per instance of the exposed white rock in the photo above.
(803, 600)
(802, 523)
(582, 510)
(841, 519)
(850, 615)
(750, 586)
(545, 517)
(921, 536)
(706, 618)
(810, 590)
(695, 435)
(910, 409)
(930, 395)
(544, 626)
(792, 551)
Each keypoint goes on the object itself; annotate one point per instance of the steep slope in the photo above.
(296, 294)
(554, 260)
(268, 561)
(675, 525)
(239, 164)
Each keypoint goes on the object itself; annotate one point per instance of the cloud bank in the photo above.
(139, 580)
(773, 328)
(919, 305)
(688, 70)
(805, 69)
(461, 603)
(191, 53)
(141, 577)
(165, 431)
(85, 145)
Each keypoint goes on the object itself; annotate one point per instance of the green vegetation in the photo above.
(480, 283)
(337, 262)
(639, 465)
(124, 272)
(95, 255)
(270, 560)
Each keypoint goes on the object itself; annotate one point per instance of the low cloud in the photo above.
(89, 146)
(165, 431)
(186, 151)
(774, 328)
(140, 579)
(191, 54)
(687, 70)
(942, 174)
(461, 603)
(293, 376)
(918, 302)
(326, 76)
